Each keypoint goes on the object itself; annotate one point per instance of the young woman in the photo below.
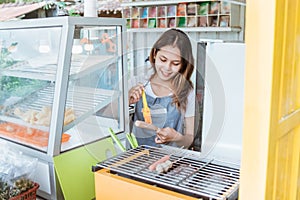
(169, 93)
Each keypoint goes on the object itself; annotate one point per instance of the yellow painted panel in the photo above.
(296, 59)
(294, 185)
(113, 187)
(283, 183)
(279, 54)
(285, 179)
(288, 123)
(287, 54)
(282, 173)
(298, 185)
(280, 169)
(291, 27)
(259, 38)
(297, 72)
(284, 54)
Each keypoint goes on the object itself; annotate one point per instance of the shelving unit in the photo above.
(166, 14)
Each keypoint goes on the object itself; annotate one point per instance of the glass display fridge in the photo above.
(62, 86)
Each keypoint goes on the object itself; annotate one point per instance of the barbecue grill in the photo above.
(189, 176)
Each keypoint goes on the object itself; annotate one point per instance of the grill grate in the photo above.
(198, 178)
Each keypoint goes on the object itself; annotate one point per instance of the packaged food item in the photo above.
(225, 7)
(152, 12)
(162, 23)
(202, 21)
(182, 22)
(181, 9)
(203, 8)
(135, 23)
(171, 22)
(171, 11)
(214, 7)
(144, 12)
(191, 22)
(161, 11)
(224, 21)
(152, 23)
(135, 12)
(42, 117)
(191, 8)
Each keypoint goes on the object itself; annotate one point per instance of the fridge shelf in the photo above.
(82, 100)
(80, 66)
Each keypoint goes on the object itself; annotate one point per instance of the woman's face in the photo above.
(167, 62)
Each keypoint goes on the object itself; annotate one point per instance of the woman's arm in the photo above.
(168, 134)
(135, 93)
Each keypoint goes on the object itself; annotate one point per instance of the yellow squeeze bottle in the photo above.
(146, 110)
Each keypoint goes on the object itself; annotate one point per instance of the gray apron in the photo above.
(163, 114)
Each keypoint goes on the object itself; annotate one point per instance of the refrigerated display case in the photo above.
(62, 86)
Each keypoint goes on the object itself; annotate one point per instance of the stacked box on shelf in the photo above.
(135, 12)
(144, 12)
(181, 15)
(143, 23)
(191, 12)
(143, 17)
(152, 12)
(135, 23)
(171, 16)
(152, 17)
(161, 11)
(135, 17)
(181, 9)
(202, 12)
(213, 17)
(233, 14)
(181, 22)
(161, 17)
(126, 14)
(208, 14)
(214, 7)
(162, 23)
(128, 23)
(224, 20)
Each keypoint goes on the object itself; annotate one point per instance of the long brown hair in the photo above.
(181, 83)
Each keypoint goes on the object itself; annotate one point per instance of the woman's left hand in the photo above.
(165, 135)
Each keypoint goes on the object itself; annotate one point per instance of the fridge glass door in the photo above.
(28, 65)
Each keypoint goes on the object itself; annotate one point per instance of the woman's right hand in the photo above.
(135, 93)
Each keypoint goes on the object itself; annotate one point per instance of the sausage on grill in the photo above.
(152, 167)
(164, 167)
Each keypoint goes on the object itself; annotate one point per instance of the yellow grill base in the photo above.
(114, 187)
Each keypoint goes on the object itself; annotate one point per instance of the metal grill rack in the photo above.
(207, 179)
